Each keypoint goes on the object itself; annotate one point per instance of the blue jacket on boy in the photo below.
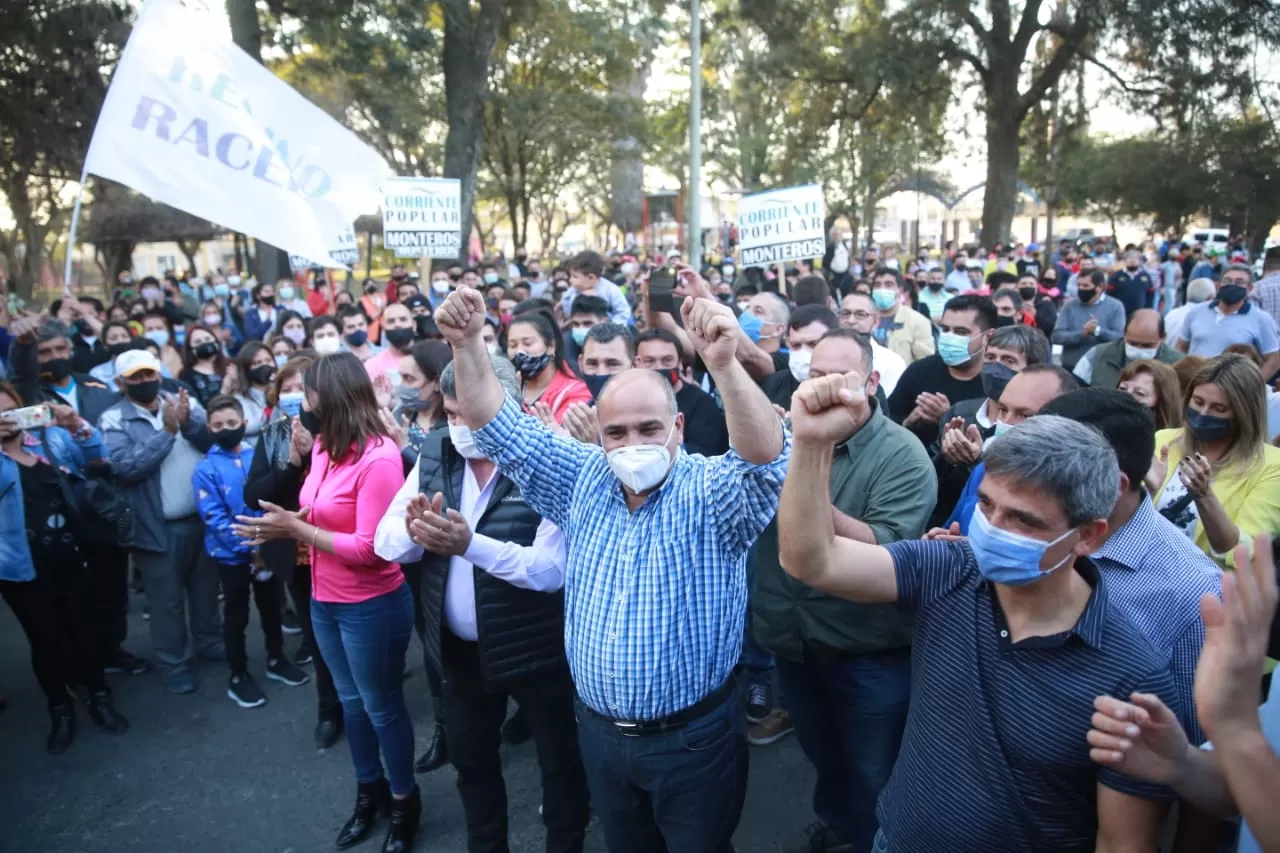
(219, 487)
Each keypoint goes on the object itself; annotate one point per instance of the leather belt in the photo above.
(678, 720)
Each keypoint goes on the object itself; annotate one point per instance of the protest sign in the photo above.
(345, 253)
(780, 226)
(195, 122)
(421, 217)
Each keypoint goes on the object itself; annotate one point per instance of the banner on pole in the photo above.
(345, 252)
(196, 123)
(421, 217)
(780, 226)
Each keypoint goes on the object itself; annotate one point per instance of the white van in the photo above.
(1216, 238)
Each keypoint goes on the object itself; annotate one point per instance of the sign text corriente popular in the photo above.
(780, 226)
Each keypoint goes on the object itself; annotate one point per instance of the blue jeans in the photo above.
(849, 717)
(364, 645)
(881, 844)
(679, 791)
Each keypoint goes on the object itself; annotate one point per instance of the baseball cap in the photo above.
(130, 362)
(417, 300)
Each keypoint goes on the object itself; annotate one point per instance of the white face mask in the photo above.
(233, 280)
(493, 349)
(464, 442)
(799, 361)
(641, 467)
(325, 346)
(1132, 353)
(441, 285)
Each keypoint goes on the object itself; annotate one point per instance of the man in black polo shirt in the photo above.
(1014, 637)
(704, 426)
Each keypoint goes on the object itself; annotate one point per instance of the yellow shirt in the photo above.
(1251, 498)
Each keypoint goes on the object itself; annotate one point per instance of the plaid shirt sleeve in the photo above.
(743, 496)
(544, 465)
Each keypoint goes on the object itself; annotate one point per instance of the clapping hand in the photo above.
(440, 531)
(829, 409)
(945, 534)
(583, 423)
(961, 445)
(398, 432)
(300, 441)
(275, 523)
(548, 419)
(1196, 474)
(1140, 738)
(1090, 327)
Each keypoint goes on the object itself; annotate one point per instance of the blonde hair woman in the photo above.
(1216, 477)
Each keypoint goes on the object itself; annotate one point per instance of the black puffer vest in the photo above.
(520, 632)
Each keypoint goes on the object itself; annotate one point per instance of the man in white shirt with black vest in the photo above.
(492, 589)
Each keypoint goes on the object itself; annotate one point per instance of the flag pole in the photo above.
(71, 237)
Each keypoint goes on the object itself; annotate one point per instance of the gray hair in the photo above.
(1029, 341)
(53, 328)
(1200, 290)
(1244, 268)
(1064, 458)
(503, 369)
(781, 312)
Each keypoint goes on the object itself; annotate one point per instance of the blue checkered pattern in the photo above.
(1156, 575)
(654, 599)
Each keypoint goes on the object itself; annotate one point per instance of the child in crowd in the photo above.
(219, 487)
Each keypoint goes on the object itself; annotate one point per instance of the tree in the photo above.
(547, 107)
(54, 59)
(641, 27)
(118, 219)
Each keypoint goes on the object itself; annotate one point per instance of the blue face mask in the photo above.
(291, 403)
(884, 299)
(1009, 558)
(221, 290)
(579, 336)
(995, 376)
(750, 324)
(491, 278)
(953, 349)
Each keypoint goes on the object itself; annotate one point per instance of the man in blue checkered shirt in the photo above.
(655, 580)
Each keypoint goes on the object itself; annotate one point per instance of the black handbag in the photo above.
(106, 515)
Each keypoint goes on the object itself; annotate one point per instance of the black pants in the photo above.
(300, 587)
(51, 610)
(109, 581)
(236, 582)
(413, 576)
(473, 716)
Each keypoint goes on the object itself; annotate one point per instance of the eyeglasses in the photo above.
(856, 315)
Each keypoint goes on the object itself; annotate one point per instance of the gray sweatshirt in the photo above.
(1071, 320)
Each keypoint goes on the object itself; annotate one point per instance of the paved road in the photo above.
(198, 774)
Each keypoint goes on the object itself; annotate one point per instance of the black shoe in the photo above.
(405, 815)
(437, 754)
(758, 704)
(102, 712)
(63, 730)
(245, 692)
(285, 672)
(516, 731)
(305, 655)
(372, 799)
(123, 662)
(327, 733)
(820, 838)
(289, 622)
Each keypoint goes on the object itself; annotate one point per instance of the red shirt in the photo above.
(565, 390)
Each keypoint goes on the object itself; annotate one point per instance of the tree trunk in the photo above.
(626, 167)
(189, 249)
(1000, 197)
(468, 45)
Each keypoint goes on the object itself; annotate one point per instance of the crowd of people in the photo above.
(1031, 610)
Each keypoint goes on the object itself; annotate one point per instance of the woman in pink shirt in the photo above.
(536, 348)
(361, 607)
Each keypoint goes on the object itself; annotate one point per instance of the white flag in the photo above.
(196, 123)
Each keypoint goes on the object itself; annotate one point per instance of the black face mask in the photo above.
(55, 369)
(268, 301)
(117, 349)
(935, 286)
(995, 376)
(455, 276)
(83, 328)
(310, 421)
(1027, 293)
(206, 350)
(531, 366)
(143, 392)
(262, 374)
(595, 384)
(1086, 296)
(400, 338)
(1232, 294)
(1002, 322)
(228, 439)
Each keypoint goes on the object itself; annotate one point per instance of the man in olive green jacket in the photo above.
(844, 669)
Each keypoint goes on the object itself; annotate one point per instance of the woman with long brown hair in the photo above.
(204, 362)
(1155, 385)
(361, 607)
(1217, 478)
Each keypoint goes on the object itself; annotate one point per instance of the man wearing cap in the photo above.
(154, 443)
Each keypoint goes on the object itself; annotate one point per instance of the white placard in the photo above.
(345, 252)
(421, 217)
(193, 121)
(780, 226)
